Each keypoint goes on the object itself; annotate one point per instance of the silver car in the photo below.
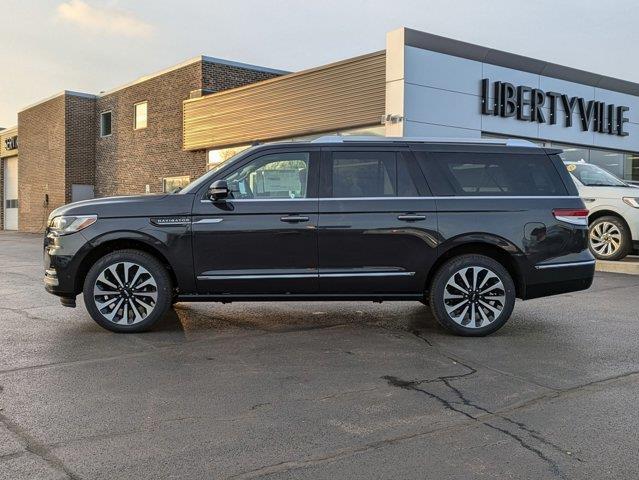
(614, 210)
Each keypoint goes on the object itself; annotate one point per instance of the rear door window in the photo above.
(364, 174)
(488, 174)
(372, 174)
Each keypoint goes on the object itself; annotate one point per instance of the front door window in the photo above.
(274, 176)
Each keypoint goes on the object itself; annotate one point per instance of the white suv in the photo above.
(614, 210)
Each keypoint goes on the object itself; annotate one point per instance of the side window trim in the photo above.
(418, 177)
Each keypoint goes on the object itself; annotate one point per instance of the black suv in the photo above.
(464, 226)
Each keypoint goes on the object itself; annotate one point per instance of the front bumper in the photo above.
(62, 258)
(51, 278)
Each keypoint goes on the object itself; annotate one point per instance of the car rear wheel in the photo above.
(609, 238)
(472, 295)
(127, 291)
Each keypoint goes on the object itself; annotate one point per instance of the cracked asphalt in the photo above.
(316, 390)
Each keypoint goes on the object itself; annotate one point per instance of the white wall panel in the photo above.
(502, 74)
(620, 99)
(431, 105)
(509, 126)
(432, 69)
(417, 129)
(548, 84)
(630, 143)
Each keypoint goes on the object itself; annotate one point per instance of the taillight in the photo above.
(572, 215)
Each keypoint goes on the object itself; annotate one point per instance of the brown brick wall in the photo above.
(80, 142)
(217, 76)
(41, 168)
(129, 159)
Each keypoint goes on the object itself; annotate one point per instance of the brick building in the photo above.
(128, 140)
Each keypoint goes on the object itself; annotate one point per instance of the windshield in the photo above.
(593, 176)
(195, 184)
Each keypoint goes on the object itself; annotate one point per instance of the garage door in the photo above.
(10, 202)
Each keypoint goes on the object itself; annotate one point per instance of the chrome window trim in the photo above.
(459, 197)
(467, 197)
(263, 199)
(564, 265)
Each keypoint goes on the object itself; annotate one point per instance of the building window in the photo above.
(141, 111)
(105, 124)
(172, 184)
(632, 167)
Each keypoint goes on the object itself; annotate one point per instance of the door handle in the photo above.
(294, 219)
(411, 217)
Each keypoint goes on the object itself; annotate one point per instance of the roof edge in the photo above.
(5, 130)
(247, 66)
(186, 63)
(470, 51)
(56, 95)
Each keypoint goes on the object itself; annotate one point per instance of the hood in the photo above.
(612, 193)
(133, 206)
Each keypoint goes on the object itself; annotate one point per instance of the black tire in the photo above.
(143, 319)
(597, 243)
(487, 321)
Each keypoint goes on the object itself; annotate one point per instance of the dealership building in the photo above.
(161, 131)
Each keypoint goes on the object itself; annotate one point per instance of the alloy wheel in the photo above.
(474, 297)
(605, 239)
(125, 293)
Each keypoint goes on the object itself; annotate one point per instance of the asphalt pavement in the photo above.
(316, 390)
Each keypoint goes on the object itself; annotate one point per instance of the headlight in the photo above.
(65, 225)
(632, 201)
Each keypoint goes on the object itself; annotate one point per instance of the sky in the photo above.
(96, 45)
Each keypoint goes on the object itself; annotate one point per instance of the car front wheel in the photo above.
(472, 295)
(127, 291)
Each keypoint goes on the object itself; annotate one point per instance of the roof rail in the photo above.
(508, 142)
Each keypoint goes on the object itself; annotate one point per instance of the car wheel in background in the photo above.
(609, 238)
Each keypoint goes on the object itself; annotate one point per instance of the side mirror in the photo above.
(219, 190)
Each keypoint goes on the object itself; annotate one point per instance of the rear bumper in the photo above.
(555, 278)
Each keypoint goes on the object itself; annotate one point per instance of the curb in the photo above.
(629, 266)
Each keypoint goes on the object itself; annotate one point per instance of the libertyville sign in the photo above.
(525, 103)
